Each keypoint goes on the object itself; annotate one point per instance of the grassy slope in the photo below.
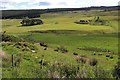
(65, 21)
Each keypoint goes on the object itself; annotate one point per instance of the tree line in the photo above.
(33, 13)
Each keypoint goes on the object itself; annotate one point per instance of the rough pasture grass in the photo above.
(83, 36)
(60, 26)
(104, 41)
(65, 21)
(74, 41)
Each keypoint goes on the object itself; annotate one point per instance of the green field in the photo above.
(85, 44)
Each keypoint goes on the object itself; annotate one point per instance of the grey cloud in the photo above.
(44, 4)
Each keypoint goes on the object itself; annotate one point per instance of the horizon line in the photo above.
(60, 8)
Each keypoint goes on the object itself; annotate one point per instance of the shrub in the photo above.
(81, 60)
(107, 55)
(62, 49)
(94, 53)
(43, 44)
(10, 38)
(56, 50)
(75, 53)
(25, 46)
(100, 54)
(56, 22)
(43, 62)
(111, 57)
(98, 21)
(116, 71)
(93, 62)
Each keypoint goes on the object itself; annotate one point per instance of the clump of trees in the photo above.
(98, 21)
(30, 22)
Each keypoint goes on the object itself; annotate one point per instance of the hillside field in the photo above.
(60, 48)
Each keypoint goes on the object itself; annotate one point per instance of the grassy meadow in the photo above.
(67, 49)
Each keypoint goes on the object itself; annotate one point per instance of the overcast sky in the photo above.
(43, 4)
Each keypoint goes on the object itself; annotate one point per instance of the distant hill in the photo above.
(33, 13)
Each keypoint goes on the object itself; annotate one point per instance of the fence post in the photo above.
(12, 60)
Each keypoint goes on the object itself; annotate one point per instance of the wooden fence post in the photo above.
(12, 60)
